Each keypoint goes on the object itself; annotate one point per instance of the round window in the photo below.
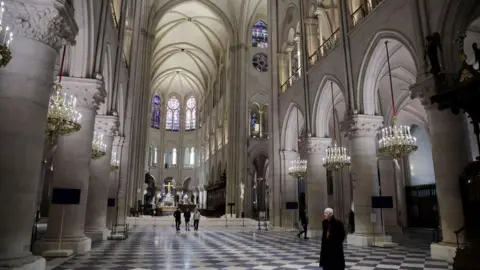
(259, 62)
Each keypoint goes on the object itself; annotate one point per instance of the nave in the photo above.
(160, 247)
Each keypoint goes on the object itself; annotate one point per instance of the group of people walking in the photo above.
(331, 253)
(187, 216)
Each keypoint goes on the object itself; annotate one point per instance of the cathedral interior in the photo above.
(250, 112)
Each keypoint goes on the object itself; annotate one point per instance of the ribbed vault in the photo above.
(190, 40)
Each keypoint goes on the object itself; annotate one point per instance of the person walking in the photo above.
(351, 221)
(331, 254)
(304, 222)
(178, 218)
(187, 216)
(196, 219)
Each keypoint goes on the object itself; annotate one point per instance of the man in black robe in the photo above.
(331, 254)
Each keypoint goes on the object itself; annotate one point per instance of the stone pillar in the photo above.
(283, 71)
(316, 186)
(320, 12)
(298, 40)
(260, 116)
(289, 190)
(312, 39)
(114, 183)
(363, 130)
(98, 188)
(72, 170)
(289, 62)
(25, 87)
(450, 156)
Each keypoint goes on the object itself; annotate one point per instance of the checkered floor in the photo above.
(215, 248)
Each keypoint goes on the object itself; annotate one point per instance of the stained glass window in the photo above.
(156, 112)
(260, 35)
(173, 115)
(190, 115)
(253, 120)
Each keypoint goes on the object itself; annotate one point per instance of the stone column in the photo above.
(450, 156)
(114, 183)
(316, 186)
(298, 44)
(289, 62)
(25, 87)
(98, 188)
(260, 116)
(283, 71)
(320, 12)
(289, 189)
(363, 130)
(312, 39)
(72, 170)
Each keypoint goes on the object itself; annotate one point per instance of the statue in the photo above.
(432, 48)
(242, 190)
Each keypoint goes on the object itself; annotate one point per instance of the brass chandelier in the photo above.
(395, 141)
(62, 117)
(7, 38)
(99, 149)
(298, 168)
(336, 156)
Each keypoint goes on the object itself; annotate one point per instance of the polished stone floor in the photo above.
(151, 247)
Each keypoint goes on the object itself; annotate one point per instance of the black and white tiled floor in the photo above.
(217, 248)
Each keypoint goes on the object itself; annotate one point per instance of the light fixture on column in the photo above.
(395, 141)
(114, 162)
(98, 147)
(336, 156)
(7, 38)
(62, 117)
(298, 168)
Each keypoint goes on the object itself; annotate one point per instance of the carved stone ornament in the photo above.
(107, 124)
(363, 125)
(424, 90)
(48, 21)
(89, 92)
(118, 141)
(314, 145)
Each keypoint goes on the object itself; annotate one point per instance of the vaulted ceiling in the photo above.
(191, 39)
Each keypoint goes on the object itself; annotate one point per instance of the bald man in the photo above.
(331, 254)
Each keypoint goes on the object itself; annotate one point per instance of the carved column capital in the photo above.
(118, 141)
(48, 21)
(314, 145)
(424, 90)
(362, 125)
(311, 22)
(107, 124)
(89, 92)
(288, 155)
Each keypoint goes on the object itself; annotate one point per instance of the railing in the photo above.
(364, 10)
(325, 48)
(295, 77)
(461, 238)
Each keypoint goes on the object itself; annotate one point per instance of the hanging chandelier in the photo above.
(114, 162)
(7, 38)
(395, 141)
(99, 149)
(62, 117)
(336, 156)
(298, 168)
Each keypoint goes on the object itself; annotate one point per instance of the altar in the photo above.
(167, 203)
